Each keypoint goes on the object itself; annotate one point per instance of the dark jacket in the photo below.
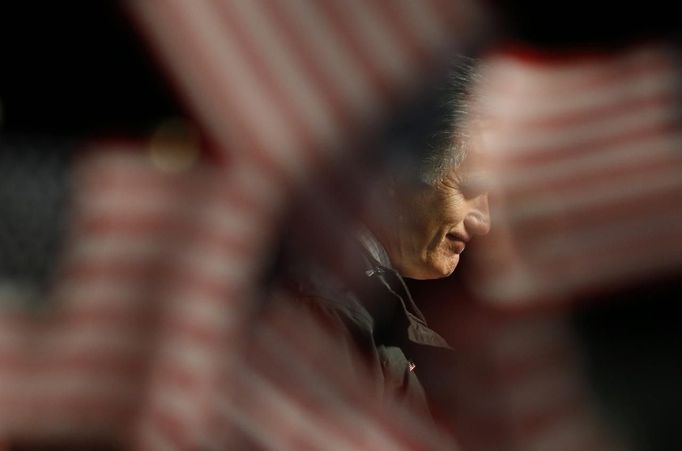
(378, 316)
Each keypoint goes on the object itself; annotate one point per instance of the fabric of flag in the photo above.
(145, 272)
(291, 83)
(139, 345)
(146, 341)
(583, 155)
(584, 152)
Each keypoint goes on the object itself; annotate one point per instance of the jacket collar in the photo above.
(378, 266)
(373, 247)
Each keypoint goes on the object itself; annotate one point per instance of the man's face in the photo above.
(437, 222)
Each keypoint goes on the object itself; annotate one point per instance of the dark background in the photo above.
(76, 70)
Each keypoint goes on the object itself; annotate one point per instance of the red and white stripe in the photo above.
(584, 153)
(288, 82)
(152, 287)
(159, 269)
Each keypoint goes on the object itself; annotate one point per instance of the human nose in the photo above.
(477, 220)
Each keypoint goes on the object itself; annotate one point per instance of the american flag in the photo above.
(144, 278)
(584, 151)
(140, 344)
(290, 83)
(144, 344)
(583, 156)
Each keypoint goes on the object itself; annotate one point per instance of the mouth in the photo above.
(456, 244)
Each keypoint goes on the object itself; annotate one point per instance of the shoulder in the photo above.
(342, 317)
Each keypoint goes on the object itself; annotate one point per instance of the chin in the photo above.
(435, 270)
(446, 268)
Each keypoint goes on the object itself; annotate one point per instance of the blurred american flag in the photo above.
(145, 342)
(586, 153)
(139, 345)
(290, 83)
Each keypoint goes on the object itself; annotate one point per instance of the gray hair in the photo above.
(447, 146)
(431, 139)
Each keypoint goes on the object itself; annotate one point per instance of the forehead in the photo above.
(481, 133)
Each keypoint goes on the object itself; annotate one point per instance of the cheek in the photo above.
(429, 222)
(453, 210)
(428, 237)
(445, 216)
(420, 222)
